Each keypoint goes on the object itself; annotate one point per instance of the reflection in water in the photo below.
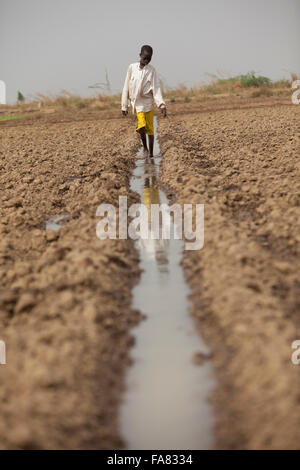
(166, 402)
(155, 248)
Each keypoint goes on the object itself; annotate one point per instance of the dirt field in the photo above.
(243, 164)
(65, 296)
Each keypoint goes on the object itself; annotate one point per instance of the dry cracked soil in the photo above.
(65, 296)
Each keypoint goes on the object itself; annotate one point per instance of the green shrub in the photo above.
(20, 97)
(250, 80)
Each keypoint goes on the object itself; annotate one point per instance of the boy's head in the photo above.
(145, 55)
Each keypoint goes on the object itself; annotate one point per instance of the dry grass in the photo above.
(62, 101)
(249, 85)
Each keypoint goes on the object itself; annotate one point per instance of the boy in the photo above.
(142, 88)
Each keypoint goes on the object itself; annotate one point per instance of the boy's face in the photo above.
(145, 58)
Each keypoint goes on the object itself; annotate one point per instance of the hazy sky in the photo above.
(49, 45)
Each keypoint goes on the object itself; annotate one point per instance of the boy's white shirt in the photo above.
(141, 89)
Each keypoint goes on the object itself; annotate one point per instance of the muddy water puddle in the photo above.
(55, 222)
(166, 401)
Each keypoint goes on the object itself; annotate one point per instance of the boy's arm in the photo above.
(125, 91)
(157, 95)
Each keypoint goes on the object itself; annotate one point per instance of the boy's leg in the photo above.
(150, 130)
(151, 144)
(142, 132)
(141, 128)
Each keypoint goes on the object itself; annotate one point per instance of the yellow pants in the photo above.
(146, 120)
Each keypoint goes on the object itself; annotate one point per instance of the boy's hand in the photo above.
(164, 111)
(124, 113)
